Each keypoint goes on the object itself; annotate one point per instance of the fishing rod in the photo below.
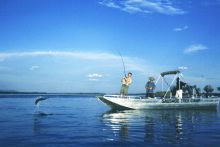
(122, 63)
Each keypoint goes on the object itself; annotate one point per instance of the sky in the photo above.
(79, 45)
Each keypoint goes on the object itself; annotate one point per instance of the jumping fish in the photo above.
(38, 99)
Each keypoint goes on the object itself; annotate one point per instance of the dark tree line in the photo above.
(208, 90)
(190, 90)
(218, 88)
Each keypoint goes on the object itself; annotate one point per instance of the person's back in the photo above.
(179, 87)
(179, 84)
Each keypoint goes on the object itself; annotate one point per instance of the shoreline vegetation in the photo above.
(46, 93)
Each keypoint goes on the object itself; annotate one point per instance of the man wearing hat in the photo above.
(150, 86)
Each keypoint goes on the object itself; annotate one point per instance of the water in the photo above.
(85, 121)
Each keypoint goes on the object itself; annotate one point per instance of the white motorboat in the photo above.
(137, 102)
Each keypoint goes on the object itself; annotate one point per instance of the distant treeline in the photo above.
(189, 91)
(162, 93)
(18, 92)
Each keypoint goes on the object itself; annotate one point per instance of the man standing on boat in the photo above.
(150, 86)
(179, 89)
(126, 82)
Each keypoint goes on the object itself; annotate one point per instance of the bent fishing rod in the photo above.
(122, 63)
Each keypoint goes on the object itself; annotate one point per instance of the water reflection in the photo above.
(118, 122)
(149, 129)
(39, 121)
(179, 126)
(37, 124)
(153, 126)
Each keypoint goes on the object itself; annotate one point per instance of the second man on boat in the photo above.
(150, 86)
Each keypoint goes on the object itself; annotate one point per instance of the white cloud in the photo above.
(34, 67)
(195, 48)
(144, 6)
(180, 29)
(182, 67)
(94, 77)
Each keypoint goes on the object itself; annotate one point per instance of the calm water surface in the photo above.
(85, 121)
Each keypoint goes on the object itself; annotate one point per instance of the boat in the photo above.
(137, 103)
(120, 102)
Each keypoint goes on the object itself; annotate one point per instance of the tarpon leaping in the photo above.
(38, 99)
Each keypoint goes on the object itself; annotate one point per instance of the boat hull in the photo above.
(130, 103)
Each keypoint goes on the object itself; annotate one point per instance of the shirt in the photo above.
(150, 86)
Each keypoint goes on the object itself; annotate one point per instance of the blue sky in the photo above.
(74, 45)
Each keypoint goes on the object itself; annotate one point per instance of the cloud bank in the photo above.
(78, 55)
(132, 63)
(72, 70)
(144, 6)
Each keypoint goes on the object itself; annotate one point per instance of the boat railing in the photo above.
(210, 99)
(191, 100)
(123, 96)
